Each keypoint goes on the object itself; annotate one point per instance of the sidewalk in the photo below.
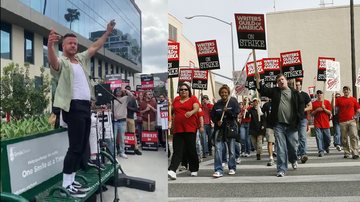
(151, 165)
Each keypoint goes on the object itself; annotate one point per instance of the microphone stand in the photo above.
(116, 197)
(98, 156)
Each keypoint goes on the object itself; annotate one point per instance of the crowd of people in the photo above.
(230, 130)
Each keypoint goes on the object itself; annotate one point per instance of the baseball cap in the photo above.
(346, 87)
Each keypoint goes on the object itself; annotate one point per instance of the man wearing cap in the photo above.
(207, 107)
(302, 149)
(336, 125)
(322, 112)
(348, 106)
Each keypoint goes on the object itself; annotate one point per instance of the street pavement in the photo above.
(151, 165)
(328, 178)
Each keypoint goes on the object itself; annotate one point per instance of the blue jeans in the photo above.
(208, 132)
(337, 133)
(302, 137)
(219, 148)
(286, 146)
(204, 143)
(245, 137)
(323, 138)
(199, 148)
(237, 150)
(119, 130)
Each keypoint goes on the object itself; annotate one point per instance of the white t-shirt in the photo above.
(81, 90)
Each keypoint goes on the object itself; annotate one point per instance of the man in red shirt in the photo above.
(321, 112)
(348, 106)
(207, 107)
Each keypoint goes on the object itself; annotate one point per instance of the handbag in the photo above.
(231, 130)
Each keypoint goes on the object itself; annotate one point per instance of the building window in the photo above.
(117, 69)
(6, 41)
(45, 53)
(106, 68)
(172, 33)
(99, 68)
(29, 47)
(92, 67)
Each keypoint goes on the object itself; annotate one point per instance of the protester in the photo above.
(348, 106)
(256, 128)
(207, 107)
(138, 122)
(132, 108)
(302, 127)
(161, 120)
(224, 115)
(287, 110)
(322, 112)
(269, 132)
(120, 114)
(72, 96)
(148, 111)
(336, 125)
(244, 128)
(185, 123)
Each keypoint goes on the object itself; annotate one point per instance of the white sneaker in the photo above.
(171, 174)
(217, 175)
(123, 155)
(223, 165)
(231, 172)
(193, 174)
(238, 160)
(242, 154)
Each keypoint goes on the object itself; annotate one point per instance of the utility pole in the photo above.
(353, 64)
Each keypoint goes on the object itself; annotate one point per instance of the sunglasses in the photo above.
(183, 89)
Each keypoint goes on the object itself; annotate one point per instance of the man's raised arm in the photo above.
(53, 60)
(100, 42)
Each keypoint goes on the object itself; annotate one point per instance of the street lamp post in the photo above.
(232, 35)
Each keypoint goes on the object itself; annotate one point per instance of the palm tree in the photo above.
(72, 15)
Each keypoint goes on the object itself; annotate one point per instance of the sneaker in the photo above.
(321, 154)
(294, 165)
(137, 152)
(280, 174)
(171, 174)
(223, 165)
(217, 175)
(270, 163)
(182, 168)
(327, 150)
(274, 154)
(258, 157)
(231, 172)
(247, 155)
(304, 159)
(238, 160)
(193, 174)
(346, 156)
(355, 157)
(80, 187)
(242, 154)
(123, 155)
(73, 192)
(338, 147)
(96, 164)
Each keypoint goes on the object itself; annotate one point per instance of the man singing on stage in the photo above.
(72, 96)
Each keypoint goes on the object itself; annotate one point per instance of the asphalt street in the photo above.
(328, 178)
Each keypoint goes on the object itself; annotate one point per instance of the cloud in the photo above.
(154, 35)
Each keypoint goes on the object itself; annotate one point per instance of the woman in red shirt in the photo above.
(185, 123)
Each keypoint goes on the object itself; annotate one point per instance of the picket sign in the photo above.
(149, 139)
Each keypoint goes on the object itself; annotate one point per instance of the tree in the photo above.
(72, 15)
(19, 95)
